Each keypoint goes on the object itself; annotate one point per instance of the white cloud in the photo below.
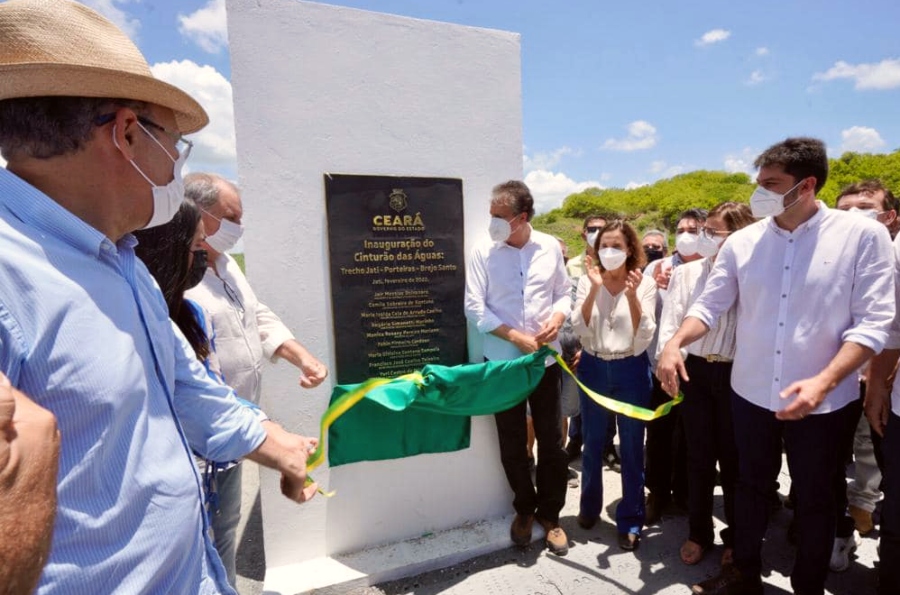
(546, 160)
(118, 16)
(741, 162)
(883, 75)
(755, 78)
(633, 185)
(663, 170)
(550, 188)
(641, 135)
(762, 51)
(207, 27)
(605, 177)
(861, 139)
(214, 146)
(713, 36)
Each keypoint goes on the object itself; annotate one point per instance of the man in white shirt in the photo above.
(814, 297)
(518, 295)
(666, 467)
(245, 329)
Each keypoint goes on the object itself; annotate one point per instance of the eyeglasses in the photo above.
(593, 228)
(653, 246)
(182, 145)
(714, 232)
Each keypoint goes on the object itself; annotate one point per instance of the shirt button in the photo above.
(787, 268)
(784, 295)
(778, 353)
(780, 324)
(790, 241)
(776, 380)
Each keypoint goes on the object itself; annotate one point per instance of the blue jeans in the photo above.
(814, 454)
(626, 380)
(226, 518)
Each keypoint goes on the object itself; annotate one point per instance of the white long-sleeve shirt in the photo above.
(685, 287)
(519, 287)
(800, 295)
(610, 330)
(246, 330)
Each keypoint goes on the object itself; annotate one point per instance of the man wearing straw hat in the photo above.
(94, 148)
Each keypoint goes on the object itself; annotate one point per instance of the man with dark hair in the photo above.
(793, 373)
(518, 296)
(589, 231)
(666, 467)
(869, 198)
(95, 150)
(575, 268)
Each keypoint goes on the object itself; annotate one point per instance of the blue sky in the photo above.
(615, 94)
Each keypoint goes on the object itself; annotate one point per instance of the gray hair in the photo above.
(45, 127)
(203, 188)
(656, 232)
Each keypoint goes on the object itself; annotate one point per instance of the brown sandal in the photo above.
(692, 552)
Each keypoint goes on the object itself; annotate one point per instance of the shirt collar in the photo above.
(810, 223)
(35, 209)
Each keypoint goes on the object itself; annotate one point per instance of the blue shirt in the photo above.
(85, 332)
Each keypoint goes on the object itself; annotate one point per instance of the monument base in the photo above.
(338, 574)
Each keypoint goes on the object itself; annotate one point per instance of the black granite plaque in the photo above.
(397, 273)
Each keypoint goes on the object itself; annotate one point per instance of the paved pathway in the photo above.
(594, 565)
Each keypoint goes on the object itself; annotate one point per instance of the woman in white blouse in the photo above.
(706, 411)
(614, 315)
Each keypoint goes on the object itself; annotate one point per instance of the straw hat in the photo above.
(59, 47)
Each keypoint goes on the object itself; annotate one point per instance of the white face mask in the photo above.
(612, 258)
(592, 238)
(869, 213)
(708, 245)
(686, 243)
(226, 236)
(500, 229)
(768, 203)
(166, 199)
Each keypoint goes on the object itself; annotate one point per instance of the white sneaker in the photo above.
(840, 552)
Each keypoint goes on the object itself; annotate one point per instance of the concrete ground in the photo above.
(593, 565)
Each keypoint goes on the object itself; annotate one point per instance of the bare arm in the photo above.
(810, 392)
(671, 365)
(29, 461)
(287, 453)
(878, 388)
(312, 371)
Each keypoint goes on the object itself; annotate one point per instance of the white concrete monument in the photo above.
(319, 89)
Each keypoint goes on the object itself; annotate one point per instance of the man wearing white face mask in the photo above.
(246, 329)
(94, 150)
(518, 296)
(666, 469)
(813, 289)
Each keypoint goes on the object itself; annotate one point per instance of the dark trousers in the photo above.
(814, 453)
(889, 568)
(844, 522)
(552, 467)
(709, 434)
(666, 468)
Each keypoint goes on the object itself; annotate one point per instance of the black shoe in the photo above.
(611, 458)
(585, 522)
(573, 449)
(729, 582)
(629, 541)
